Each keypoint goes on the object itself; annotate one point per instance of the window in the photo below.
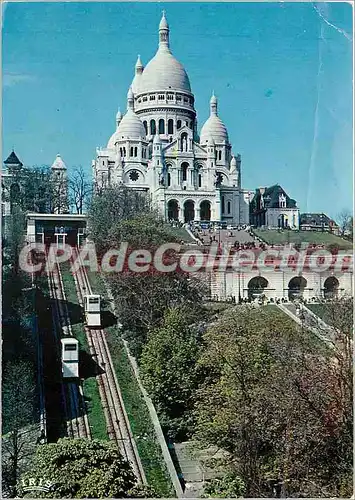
(170, 97)
(184, 168)
(124, 151)
(93, 300)
(199, 180)
(131, 151)
(169, 179)
(145, 127)
(186, 99)
(178, 97)
(178, 124)
(135, 152)
(70, 347)
(152, 98)
(134, 175)
(161, 126)
(229, 207)
(223, 206)
(220, 155)
(145, 99)
(160, 97)
(170, 126)
(152, 127)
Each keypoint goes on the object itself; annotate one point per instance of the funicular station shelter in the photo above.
(56, 228)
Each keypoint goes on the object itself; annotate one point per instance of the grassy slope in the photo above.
(137, 411)
(276, 237)
(96, 415)
(181, 234)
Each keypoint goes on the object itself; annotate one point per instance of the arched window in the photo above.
(170, 126)
(199, 180)
(223, 207)
(124, 151)
(121, 152)
(178, 124)
(169, 179)
(153, 127)
(229, 207)
(220, 155)
(184, 168)
(135, 152)
(161, 126)
(131, 151)
(145, 127)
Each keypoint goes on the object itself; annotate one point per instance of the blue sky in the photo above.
(282, 73)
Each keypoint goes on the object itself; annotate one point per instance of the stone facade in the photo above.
(272, 208)
(156, 147)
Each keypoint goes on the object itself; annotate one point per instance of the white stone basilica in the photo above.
(156, 147)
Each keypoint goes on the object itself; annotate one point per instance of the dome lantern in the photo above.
(163, 33)
(163, 72)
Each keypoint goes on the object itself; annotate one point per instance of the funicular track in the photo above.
(118, 426)
(72, 392)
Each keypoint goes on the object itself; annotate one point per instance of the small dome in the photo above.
(233, 164)
(163, 25)
(130, 126)
(58, 164)
(214, 127)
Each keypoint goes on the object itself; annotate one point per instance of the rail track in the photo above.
(72, 392)
(118, 427)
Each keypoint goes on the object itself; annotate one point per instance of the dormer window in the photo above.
(282, 201)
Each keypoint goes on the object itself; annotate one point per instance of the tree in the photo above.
(110, 207)
(122, 215)
(30, 189)
(15, 238)
(80, 189)
(346, 222)
(80, 468)
(168, 370)
(269, 400)
(18, 411)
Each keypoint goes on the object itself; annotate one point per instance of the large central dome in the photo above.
(164, 72)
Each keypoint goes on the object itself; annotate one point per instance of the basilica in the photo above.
(156, 147)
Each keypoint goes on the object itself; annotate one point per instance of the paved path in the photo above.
(225, 236)
(309, 320)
